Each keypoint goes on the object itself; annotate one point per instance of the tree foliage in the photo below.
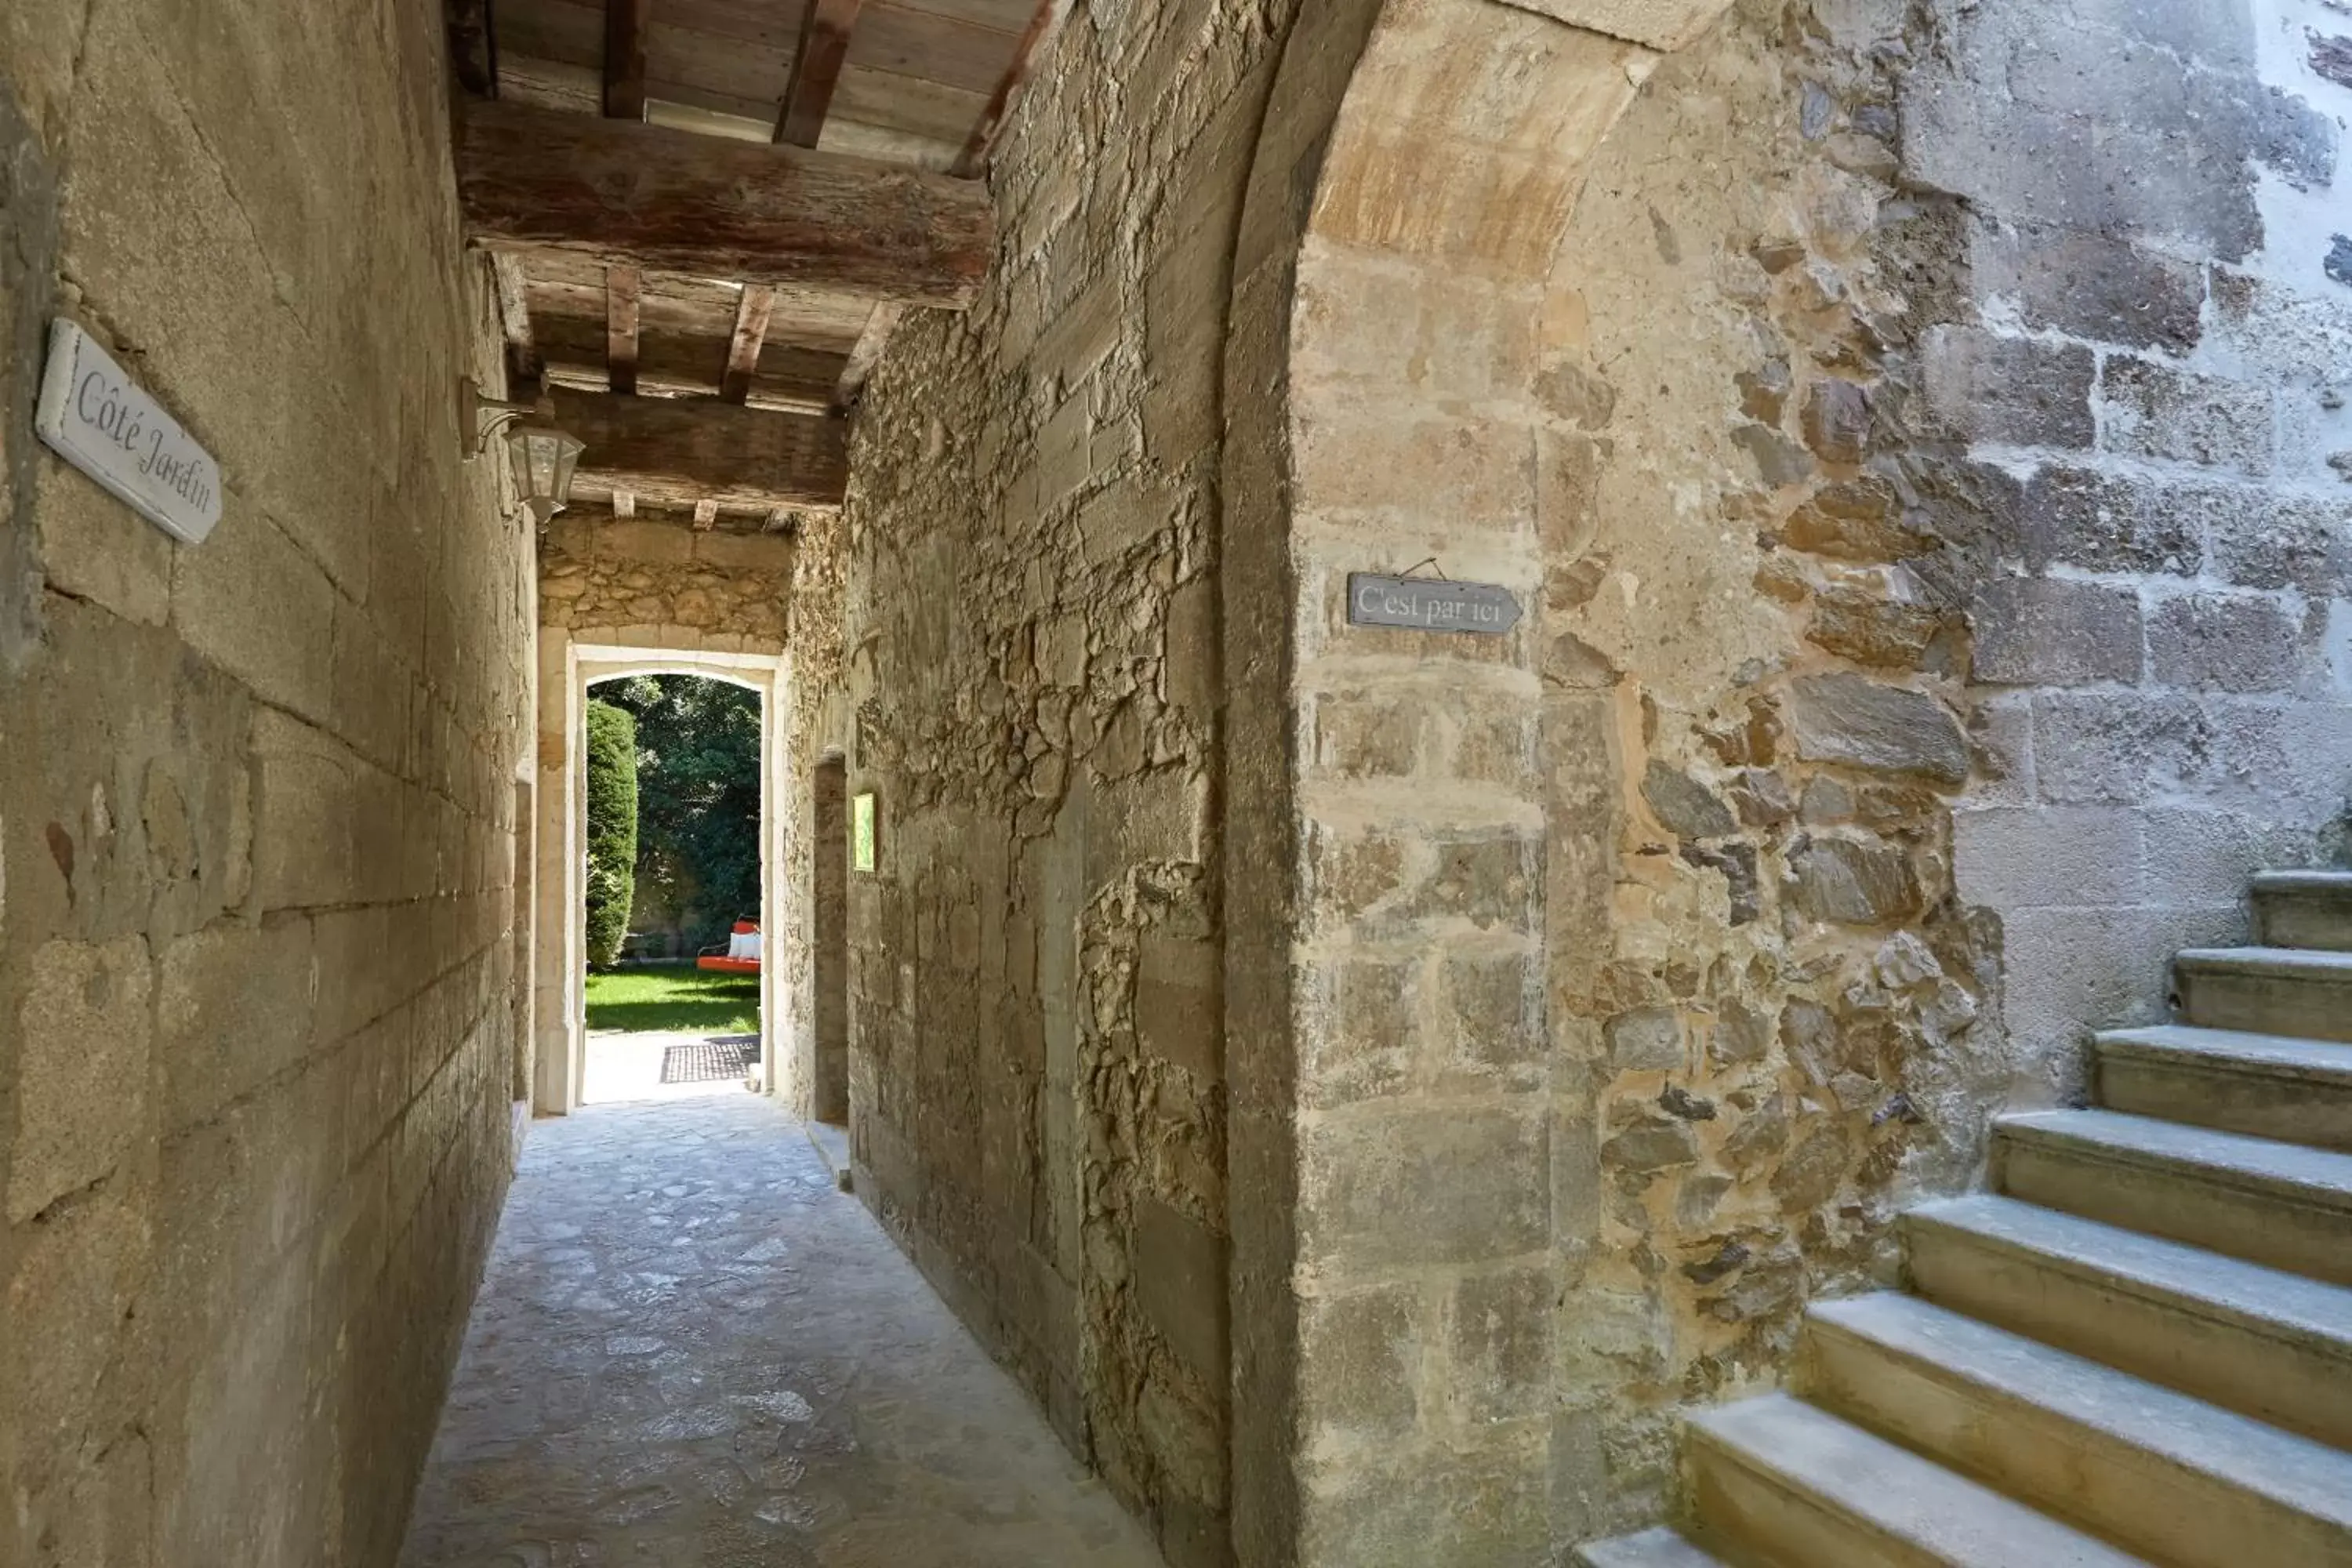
(699, 764)
(612, 763)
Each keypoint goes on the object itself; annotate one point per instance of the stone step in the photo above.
(1790, 1483)
(2268, 990)
(1658, 1548)
(2282, 1205)
(2193, 1484)
(2305, 909)
(2271, 1086)
(2272, 1345)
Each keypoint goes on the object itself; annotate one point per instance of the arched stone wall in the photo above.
(1391, 1150)
(1878, 725)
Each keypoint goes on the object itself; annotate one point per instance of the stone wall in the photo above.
(1908, 570)
(1037, 1061)
(608, 579)
(2151, 202)
(1432, 1127)
(1909, 427)
(1767, 1006)
(828, 938)
(257, 1028)
(1949, 625)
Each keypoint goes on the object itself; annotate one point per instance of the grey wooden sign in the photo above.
(96, 417)
(1431, 605)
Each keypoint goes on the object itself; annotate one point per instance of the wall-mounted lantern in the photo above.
(539, 455)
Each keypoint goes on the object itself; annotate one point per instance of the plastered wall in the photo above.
(257, 1020)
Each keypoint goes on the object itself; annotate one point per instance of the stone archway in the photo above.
(572, 660)
(1397, 1230)
(626, 597)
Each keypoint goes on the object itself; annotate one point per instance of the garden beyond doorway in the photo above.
(673, 878)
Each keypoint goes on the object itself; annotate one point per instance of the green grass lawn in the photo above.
(674, 996)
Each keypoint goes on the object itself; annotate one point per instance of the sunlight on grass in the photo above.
(674, 997)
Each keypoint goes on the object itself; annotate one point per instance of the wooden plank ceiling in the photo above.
(709, 284)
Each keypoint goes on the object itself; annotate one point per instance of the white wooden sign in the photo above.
(97, 418)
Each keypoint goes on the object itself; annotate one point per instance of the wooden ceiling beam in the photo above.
(473, 52)
(865, 356)
(669, 201)
(816, 71)
(625, 58)
(971, 163)
(623, 287)
(751, 335)
(573, 351)
(679, 452)
(513, 291)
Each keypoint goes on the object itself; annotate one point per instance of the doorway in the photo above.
(519, 936)
(673, 897)
(829, 935)
(578, 676)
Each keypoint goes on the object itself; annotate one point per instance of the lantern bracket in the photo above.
(480, 418)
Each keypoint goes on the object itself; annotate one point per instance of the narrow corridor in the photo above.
(691, 1349)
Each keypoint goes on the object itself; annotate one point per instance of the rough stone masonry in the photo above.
(1911, 427)
(1030, 683)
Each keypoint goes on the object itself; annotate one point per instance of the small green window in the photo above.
(861, 832)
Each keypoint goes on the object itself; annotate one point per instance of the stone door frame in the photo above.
(570, 661)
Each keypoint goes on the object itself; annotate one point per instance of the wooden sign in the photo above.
(1431, 605)
(97, 418)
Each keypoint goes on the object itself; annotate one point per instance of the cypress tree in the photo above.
(612, 828)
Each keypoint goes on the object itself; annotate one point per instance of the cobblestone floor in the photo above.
(691, 1350)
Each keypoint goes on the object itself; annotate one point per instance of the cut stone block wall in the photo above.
(1425, 1273)
(2151, 204)
(257, 996)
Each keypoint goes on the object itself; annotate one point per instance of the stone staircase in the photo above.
(2136, 1348)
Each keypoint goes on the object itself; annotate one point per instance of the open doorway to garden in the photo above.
(672, 891)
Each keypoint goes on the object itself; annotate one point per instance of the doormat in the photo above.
(706, 1061)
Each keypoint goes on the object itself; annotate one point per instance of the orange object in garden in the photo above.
(741, 956)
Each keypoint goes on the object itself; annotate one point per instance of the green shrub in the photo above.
(612, 828)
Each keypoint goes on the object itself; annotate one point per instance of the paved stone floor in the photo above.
(692, 1351)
